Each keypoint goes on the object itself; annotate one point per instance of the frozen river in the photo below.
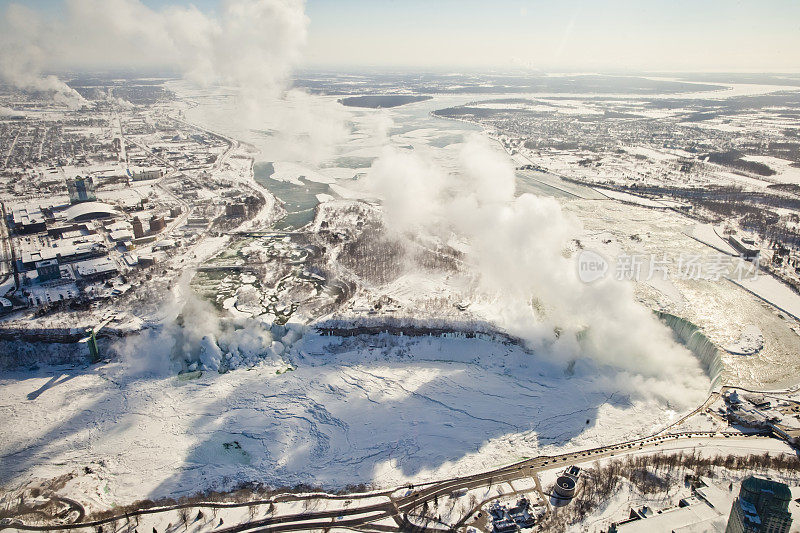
(348, 155)
(413, 127)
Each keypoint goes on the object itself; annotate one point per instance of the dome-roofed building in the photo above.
(89, 211)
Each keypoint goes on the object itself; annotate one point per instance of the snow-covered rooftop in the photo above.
(87, 210)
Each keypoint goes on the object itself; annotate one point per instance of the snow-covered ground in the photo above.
(776, 293)
(708, 234)
(380, 410)
(784, 171)
(631, 198)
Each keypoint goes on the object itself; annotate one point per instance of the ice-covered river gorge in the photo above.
(381, 410)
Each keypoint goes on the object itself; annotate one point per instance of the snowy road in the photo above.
(369, 508)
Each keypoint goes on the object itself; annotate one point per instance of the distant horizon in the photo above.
(410, 70)
(615, 36)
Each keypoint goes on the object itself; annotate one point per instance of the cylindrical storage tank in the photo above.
(565, 486)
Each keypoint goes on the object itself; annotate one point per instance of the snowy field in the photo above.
(380, 410)
(776, 293)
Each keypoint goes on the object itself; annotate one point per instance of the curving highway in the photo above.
(397, 507)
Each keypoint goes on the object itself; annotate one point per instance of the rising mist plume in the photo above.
(252, 45)
(527, 277)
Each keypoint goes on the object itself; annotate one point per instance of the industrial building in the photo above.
(762, 506)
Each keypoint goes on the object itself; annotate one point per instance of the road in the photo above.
(6, 256)
(11, 148)
(431, 491)
(397, 507)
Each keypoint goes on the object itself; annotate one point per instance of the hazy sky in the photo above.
(568, 34)
(582, 35)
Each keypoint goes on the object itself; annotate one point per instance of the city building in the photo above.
(48, 270)
(138, 228)
(704, 511)
(70, 231)
(91, 210)
(521, 515)
(28, 220)
(762, 506)
(506, 519)
(157, 224)
(97, 269)
(63, 252)
(755, 411)
(747, 250)
(142, 174)
(198, 221)
(567, 482)
(130, 259)
(81, 190)
(121, 235)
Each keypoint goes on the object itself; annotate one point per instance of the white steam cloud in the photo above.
(248, 49)
(23, 53)
(518, 249)
(252, 45)
(199, 339)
